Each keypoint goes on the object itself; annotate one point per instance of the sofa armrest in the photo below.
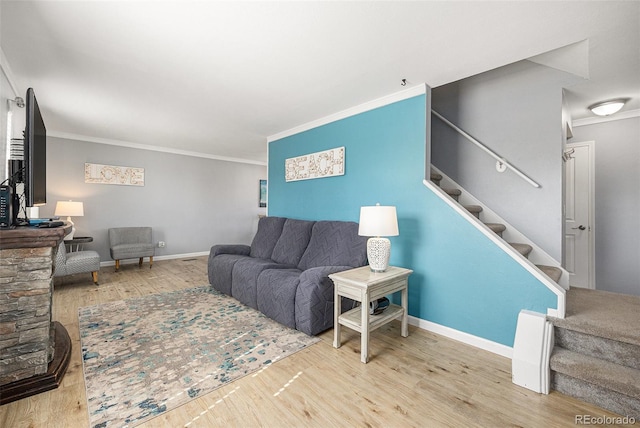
(239, 249)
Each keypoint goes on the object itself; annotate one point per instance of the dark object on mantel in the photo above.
(56, 223)
(33, 237)
(47, 381)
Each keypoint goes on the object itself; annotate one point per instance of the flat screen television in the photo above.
(35, 154)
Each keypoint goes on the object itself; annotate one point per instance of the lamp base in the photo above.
(69, 237)
(378, 253)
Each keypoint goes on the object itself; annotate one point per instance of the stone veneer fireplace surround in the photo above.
(34, 350)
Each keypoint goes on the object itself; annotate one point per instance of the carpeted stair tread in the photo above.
(614, 351)
(454, 193)
(474, 209)
(613, 401)
(551, 271)
(603, 314)
(497, 228)
(615, 377)
(523, 249)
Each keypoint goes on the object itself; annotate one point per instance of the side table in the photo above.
(365, 286)
(78, 242)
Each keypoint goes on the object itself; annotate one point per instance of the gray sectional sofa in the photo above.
(284, 272)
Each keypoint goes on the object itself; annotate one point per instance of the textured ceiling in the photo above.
(218, 78)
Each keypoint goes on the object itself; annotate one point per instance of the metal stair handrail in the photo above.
(486, 149)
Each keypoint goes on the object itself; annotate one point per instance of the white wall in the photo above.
(617, 202)
(516, 111)
(18, 116)
(192, 203)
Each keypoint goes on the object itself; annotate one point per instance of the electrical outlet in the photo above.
(161, 244)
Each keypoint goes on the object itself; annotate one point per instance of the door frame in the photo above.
(591, 208)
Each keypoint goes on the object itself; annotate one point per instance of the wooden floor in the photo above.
(424, 380)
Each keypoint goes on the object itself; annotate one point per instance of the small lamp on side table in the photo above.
(378, 221)
(69, 208)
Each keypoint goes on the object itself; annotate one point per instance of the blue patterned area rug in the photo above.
(149, 355)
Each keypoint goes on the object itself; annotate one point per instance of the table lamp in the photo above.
(69, 208)
(376, 222)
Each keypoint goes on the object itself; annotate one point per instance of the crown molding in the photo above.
(369, 105)
(617, 116)
(76, 137)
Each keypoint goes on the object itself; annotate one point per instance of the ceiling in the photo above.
(217, 78)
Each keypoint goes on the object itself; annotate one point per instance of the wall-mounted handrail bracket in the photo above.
(501, 165)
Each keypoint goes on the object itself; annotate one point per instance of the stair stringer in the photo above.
(553, 286)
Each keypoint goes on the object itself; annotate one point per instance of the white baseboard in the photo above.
(466, 338)
(166, 257)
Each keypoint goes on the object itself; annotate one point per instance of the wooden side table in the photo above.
(365, 286)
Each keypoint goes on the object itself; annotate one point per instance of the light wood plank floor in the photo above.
(424, 380)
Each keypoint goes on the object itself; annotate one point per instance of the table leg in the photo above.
(337, 310)
(404, 331)
(364, 327)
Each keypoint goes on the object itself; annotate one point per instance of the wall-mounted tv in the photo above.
(35, 154)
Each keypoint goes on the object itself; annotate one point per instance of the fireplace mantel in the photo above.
(33, 237)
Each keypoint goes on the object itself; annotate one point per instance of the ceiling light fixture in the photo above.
(607, 108)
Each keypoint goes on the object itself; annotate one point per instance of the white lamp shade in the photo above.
(69, 208)
(378, 221)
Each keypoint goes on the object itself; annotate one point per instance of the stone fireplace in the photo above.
(34, 350)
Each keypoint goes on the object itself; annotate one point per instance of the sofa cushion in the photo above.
(220, 269)
(334, 243)
(244, 278)
(277, 294)
(269, 230)
(293, 241)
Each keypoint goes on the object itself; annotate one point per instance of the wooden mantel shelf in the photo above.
(32, 237)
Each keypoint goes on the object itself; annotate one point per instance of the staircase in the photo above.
(554, 273)
(596, 357)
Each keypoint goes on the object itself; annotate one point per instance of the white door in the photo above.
(579, 198)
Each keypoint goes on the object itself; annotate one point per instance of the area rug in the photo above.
(149, 355)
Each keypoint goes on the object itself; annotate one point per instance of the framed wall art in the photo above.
(110, 174)
(328, 163)
(262, 200)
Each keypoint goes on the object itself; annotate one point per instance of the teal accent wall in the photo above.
(461, 279)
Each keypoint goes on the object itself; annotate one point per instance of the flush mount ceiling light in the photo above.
(608, 107)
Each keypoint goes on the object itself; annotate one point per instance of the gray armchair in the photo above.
(76, 262)
(131, 243)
